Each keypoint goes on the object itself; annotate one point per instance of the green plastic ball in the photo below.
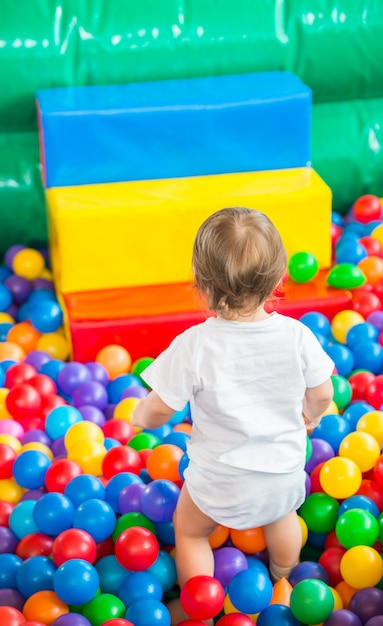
(302, 267)
(104, 607)
(346, 276)
(342, 391)
(320, 512)
(357, 527)
(311, 601)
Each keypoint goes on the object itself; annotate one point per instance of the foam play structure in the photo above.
(131, 172)
(334, 47)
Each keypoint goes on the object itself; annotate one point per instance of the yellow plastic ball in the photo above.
(5, 318)
(11, 441)
(338, 601)
(83, 431)
(361, 567)
(362, 448)
(377, 233)
(28, 263)
(10, 491)
(89, 454)
(54, 344)
(342, 322)
(124, 410)
(304, 529)
(228, 607)
(372, 423)
(340, 477)
(4, 413)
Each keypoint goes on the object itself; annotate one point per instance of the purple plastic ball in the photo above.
(71, 376)
(11, 253)
(308, 569)
(98, 372)
(227, 563)
(129, 499)
(37, 358)
(8, 540)
(71, 619)
(134, 392)
(375, 621)
(19, 287)
(92, 414)
(376, 319)
(12, 597)
(321, 451)
(367, 603)
(92, 393)
(342, 617)
(35, 434)
(58, 448)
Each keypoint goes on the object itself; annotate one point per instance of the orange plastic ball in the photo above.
(116, 360)
(10, 351)
(163, 462)
(250, 540)
(24, 335)
(44, 606)
(372, 268)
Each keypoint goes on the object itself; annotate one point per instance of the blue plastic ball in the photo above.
(148, 612)
(332, 428)
(277, 614)
(368, 355)
(30, 467)
(53, 513)
(140, 586)
(159, 500)
(35, 574)
(60, 419)
(164, 569)
(21, 520)
(84, 487)
(76, 582)
(46, 315)
(96, 517)
(250, 591)
(9, 566)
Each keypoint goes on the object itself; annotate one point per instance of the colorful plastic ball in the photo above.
(46, 316)
(342, 391)
(163, 462)
(330, 560)
(55, 344)
(71, 376)
(159, 500)
(71, 619)
(146, 441)
(132, 519)
(346, 276)
(18, 374)
(115, 359)
(29, 469)
(129, 499)
(74, 543)
(136, 548)
(35, 574)
(359, 502)
(76, 581)
(118, 429)
(148, 612)
(23, 401)
(53, 513)
(60, 473)
(21, 520)
(34, 544)
(116, 484)
(60, 419)
(118, 622)
(119, 384)
(367, 603)
(228, 561)
(317, 322)
(342, 617)
(84, 487)
(9, 616)
(362, 448)
(140, 586)
(308, 569)
(342, 357)
(355, 411)
(367, 208)
(28, 263)
(302, 267)
(372, 268)
(95, 517)
(10, 351)
(365, 303)
(332, 429)
(202, 597)
(103, 607)
(368, 355)
(9, 566)
(12, 598)
(357, 527)
(359, 382)
(44, 606)
(8, 540)
(121, 459)
(372, 423)
(249, 540)
(250, 591)
(88, 454)
(374, 392)
(164, 570)
(340, 477)
(140, 365)
(83, 431)
(321, 451)
(343, 322)
(7, 459)
(361, 566)
(311, 601)
(274, 614)
(90, 392)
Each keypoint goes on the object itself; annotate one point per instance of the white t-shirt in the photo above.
(245, 382)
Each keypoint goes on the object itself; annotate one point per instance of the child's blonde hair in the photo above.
(238, 260)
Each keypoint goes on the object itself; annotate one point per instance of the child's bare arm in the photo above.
(151, 412)
(316, 401)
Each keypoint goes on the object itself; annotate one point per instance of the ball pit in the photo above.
(86, 499)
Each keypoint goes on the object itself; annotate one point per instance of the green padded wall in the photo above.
(335, 46)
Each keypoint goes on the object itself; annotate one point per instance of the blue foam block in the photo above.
(174, 128)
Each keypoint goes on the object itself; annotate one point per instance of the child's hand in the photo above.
(310, 425)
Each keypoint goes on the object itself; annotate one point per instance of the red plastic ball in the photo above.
(6, 509)
(330, 559)
(235, 619)
(23, 401)
(121, 459)
(118, 429)
(10, 616)
(60, 473)
(372, 246)
(74, 543)
(45, 385)
(18, 374)
(372, 490)
(34, 544)
(136, 548)
(365, 303)
(359, 383)
(374, 392)
(105, 548)
(316, 486)
(50, 402)
(202, 597)
(117, 621)
(336, 232)
(367, 208)
(7, 459)
(378, 471)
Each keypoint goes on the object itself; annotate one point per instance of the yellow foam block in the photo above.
(142, 232)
